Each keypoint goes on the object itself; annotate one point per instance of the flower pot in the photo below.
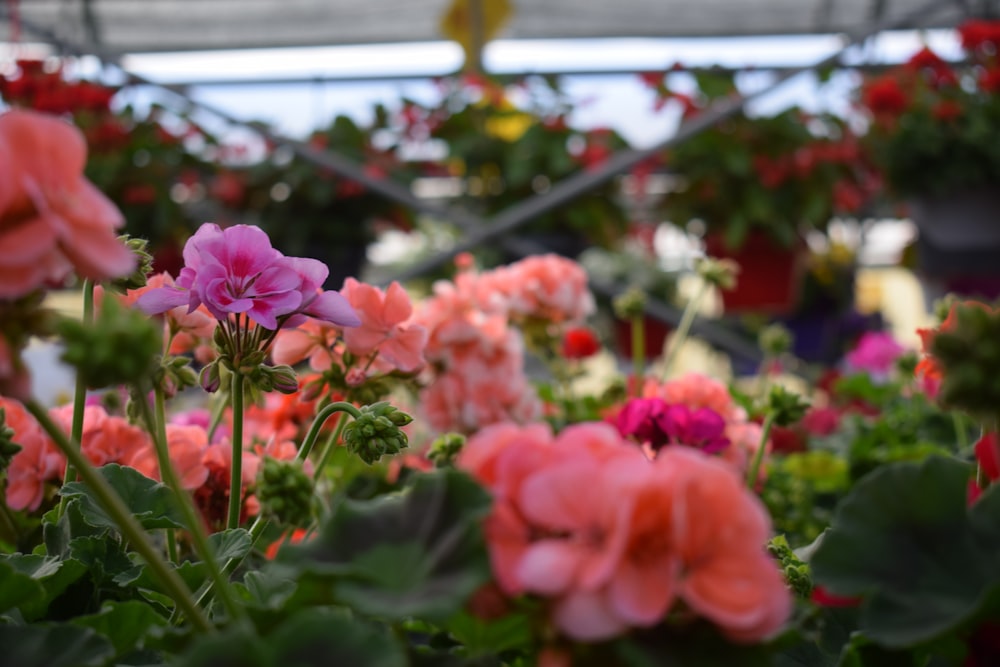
(770, 277)
(959, 242)
(655, 331)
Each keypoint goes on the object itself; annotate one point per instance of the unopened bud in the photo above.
(630, 304)
(209, 377)
(718, 272)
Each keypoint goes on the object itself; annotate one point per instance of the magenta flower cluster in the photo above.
(657, 423)
(235, 271)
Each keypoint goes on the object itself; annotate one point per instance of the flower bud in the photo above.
(209, 378)
(775, 340)
(143, 267)
(630, 304)
(376, 432)
(718, 272)
(786, 407)
(121, 347)
(285, 492)
(445, 449)
(8, 448)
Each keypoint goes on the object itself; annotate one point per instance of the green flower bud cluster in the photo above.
(8, 448)
(274, 378)
(630, 304)
(968, 354)
(144, 266)
(787, 407)
(174, 375)
(285, 492)
(121, 347)
(445, 449)
(376, 432)
(718, 272)
(774, 340)
(797, 574)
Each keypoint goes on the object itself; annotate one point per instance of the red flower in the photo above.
(937, 71)
(885, 97)
(824, 598)
(988, 457)
(580, 343)
(947, 110)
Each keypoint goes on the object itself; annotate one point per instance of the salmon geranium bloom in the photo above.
(386, 327)
(52, 220)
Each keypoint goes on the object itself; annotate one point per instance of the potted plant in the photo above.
(311, 211)
(757, 184)
(510, 142)
(932, 129)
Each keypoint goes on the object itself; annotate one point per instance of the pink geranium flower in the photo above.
(386, 327)
(876, 353)
(52, 219)
(38, 461)
(236, 271)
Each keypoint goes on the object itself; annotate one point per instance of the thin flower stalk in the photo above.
(236, 474)
(758, 456)
(79, 392)
(156, 426)
(131, 530)
(684, 328)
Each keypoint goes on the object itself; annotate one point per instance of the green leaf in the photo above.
(59, 534)
(232, 543)
(151, 502)
(55, 576)
(17, 588)
(905, 540)
(312, 638)
(416, 553)
(61, 645)
(126, 624)
(698, 644)
(478, 636)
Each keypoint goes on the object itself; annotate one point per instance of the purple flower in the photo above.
(236, 271)
(658, 423)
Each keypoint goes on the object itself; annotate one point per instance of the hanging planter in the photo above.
(770, 278)
(959, 240)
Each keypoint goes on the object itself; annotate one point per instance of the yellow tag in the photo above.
(456, 24)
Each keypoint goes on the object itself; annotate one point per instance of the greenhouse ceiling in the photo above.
(133, 26)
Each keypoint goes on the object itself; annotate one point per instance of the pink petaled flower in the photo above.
(190, 329)
(38, 461)
(386, 326)
(236, 271)
(109, 439)
(719, 531)
(52, 219)
(876, 353)
(543, 287)
(312, 340)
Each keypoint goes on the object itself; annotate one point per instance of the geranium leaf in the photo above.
(60, 645)
(416, 553)
(905, 540)
(17, 588)
(126, 624)
(232, 543)
(150, 502)
(54, 574)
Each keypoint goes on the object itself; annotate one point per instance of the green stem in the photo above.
(158, 430)
(236, 474)
(684, 328)
(218, 411)
(638, 351)
(758, 456)
(961, 432)
(329, 448)
(130, 529)
(79, 393)
(321, 417)
(258, 527)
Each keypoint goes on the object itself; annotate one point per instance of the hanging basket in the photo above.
(770, 277)
(958, 246)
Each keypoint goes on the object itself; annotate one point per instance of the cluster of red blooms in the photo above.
(37, 86)
(892, 94)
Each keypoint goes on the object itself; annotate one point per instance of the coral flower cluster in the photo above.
(473, 338)
(645, 539)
